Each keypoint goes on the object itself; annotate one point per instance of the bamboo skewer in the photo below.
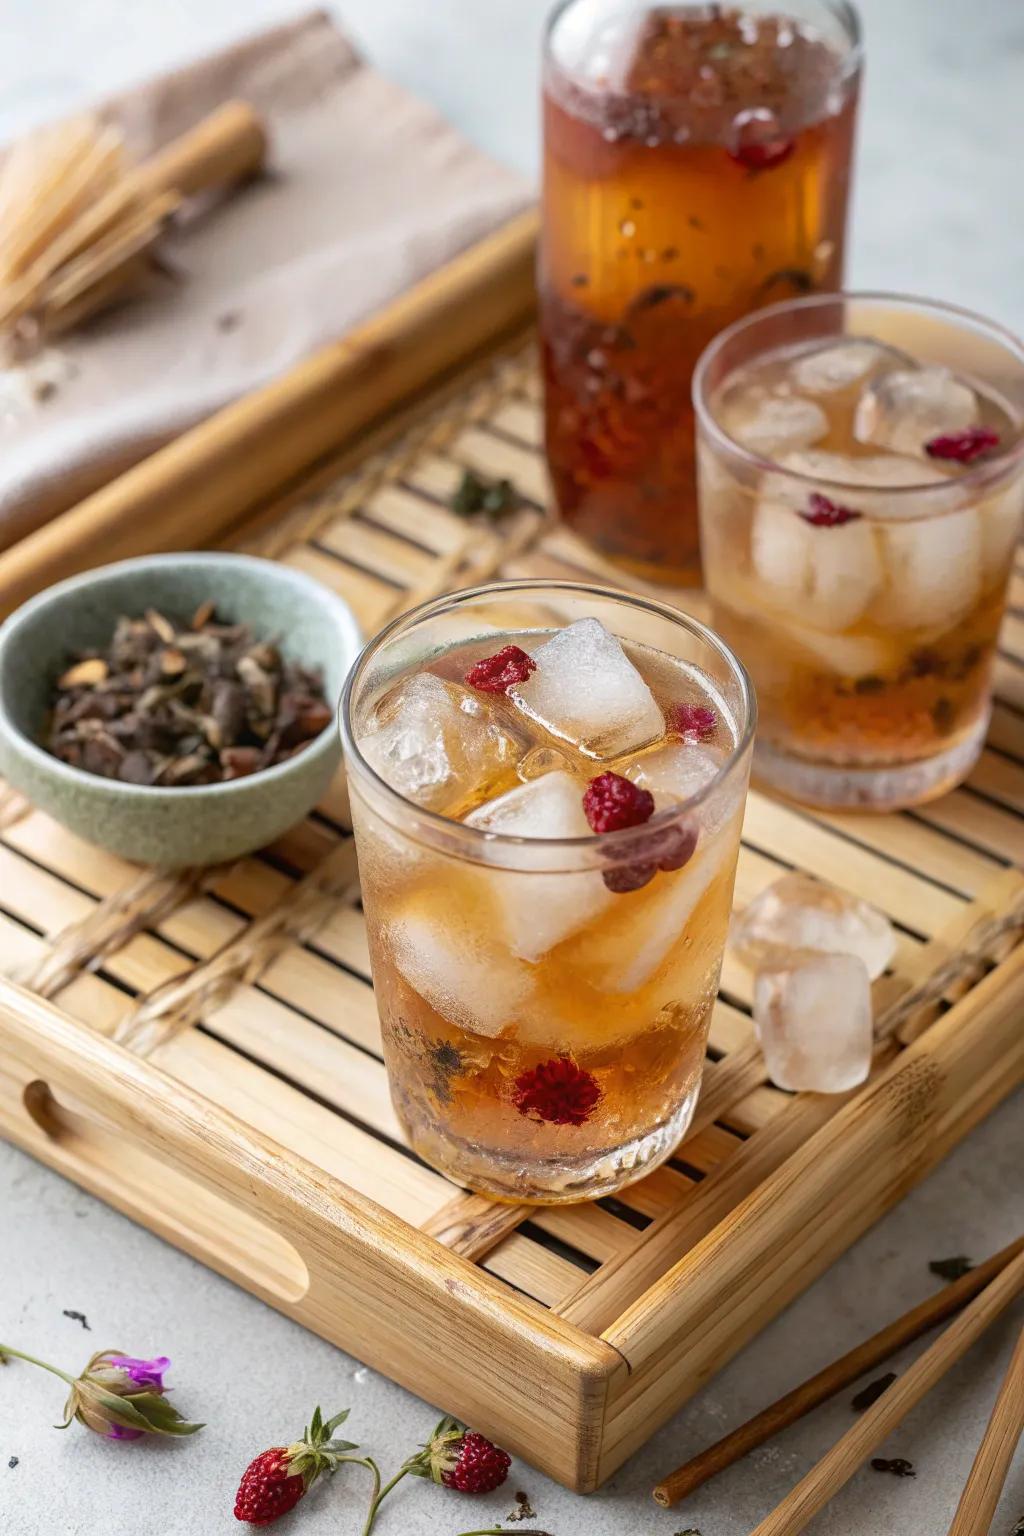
(841, 1373)
(977, 1507)
(838, 1465)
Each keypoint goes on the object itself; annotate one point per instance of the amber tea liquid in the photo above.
(697, 163)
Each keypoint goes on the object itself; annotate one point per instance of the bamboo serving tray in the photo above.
(202, 1049)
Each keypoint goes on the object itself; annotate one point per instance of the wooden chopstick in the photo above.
(838, 1465)
(841, 1373)
(977, 1507)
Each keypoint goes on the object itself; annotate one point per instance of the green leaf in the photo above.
(332, 1424)
(163, 1417)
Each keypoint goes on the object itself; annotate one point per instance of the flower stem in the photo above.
(379, 1495)
(17, 1354)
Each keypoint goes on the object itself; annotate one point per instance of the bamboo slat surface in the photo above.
(249, 987)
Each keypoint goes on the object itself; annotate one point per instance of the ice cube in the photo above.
(812, 1014)
(903, 410)
(933, 571)
(798, 912)
(767, 423)
(539, 910)
(874, 476)
(626, 955)
(435, 742)
(835, 365)
(465, 978)
(587, 691)
(999, 518)
(844, 655)
(826, 576)
(541, 760)
(681, 770)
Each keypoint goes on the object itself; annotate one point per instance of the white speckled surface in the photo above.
(939, 210)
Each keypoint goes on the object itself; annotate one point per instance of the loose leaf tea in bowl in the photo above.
(183, 702)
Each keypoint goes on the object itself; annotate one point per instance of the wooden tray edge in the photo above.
(328, 1257)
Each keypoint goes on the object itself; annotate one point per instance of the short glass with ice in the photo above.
(547, 784)
(861, 481)
(696, 166)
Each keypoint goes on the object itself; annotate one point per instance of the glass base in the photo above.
(833, 786)
(550, 1182)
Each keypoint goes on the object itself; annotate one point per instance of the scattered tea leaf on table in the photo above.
(897, 1465)
(951, 1269)
(475, 493)
(870, 1394)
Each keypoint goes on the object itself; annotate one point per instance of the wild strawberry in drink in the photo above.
(546, 948)
(697, 161)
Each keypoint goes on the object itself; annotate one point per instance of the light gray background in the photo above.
(938, 211)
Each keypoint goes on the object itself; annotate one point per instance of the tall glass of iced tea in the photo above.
(696, 166)
(547, 785)
(862, 479)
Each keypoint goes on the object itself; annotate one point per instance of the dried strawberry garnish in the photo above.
(666, 849)
(557, 1091)
(497, 673)
(612, 802)
(823, 513)
(963, 447)
(694, 721)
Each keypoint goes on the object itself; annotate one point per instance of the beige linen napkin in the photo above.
(368, 190)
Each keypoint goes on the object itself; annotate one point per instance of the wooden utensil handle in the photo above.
(839, 1374)
(838, 1465)
(227, 146)
(980, 1498)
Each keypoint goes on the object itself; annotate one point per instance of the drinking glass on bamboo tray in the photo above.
(547, 784)
(696, 166)
(861, 480)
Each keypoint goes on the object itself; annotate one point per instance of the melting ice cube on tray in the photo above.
(798, 912)
(812, 1014)
(587, 691)
(907, 407)
(435, 741)
(539, 910)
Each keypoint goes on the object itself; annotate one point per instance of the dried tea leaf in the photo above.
(523, 1510)
(872, 1392)
(194, 702)
(84, 674)
(161, 626)
(475, 493)
(951, 1269)
(896, 1465)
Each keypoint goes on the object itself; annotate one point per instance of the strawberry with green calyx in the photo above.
(455, 1457)
(276, 1479)
(118, 1396)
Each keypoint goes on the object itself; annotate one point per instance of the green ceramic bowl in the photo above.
(197, 824)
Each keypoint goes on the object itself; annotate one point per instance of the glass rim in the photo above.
(625, 839)
(952, 488)
(844, 11)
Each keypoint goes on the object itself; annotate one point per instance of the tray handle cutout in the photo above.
(178, 1207)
